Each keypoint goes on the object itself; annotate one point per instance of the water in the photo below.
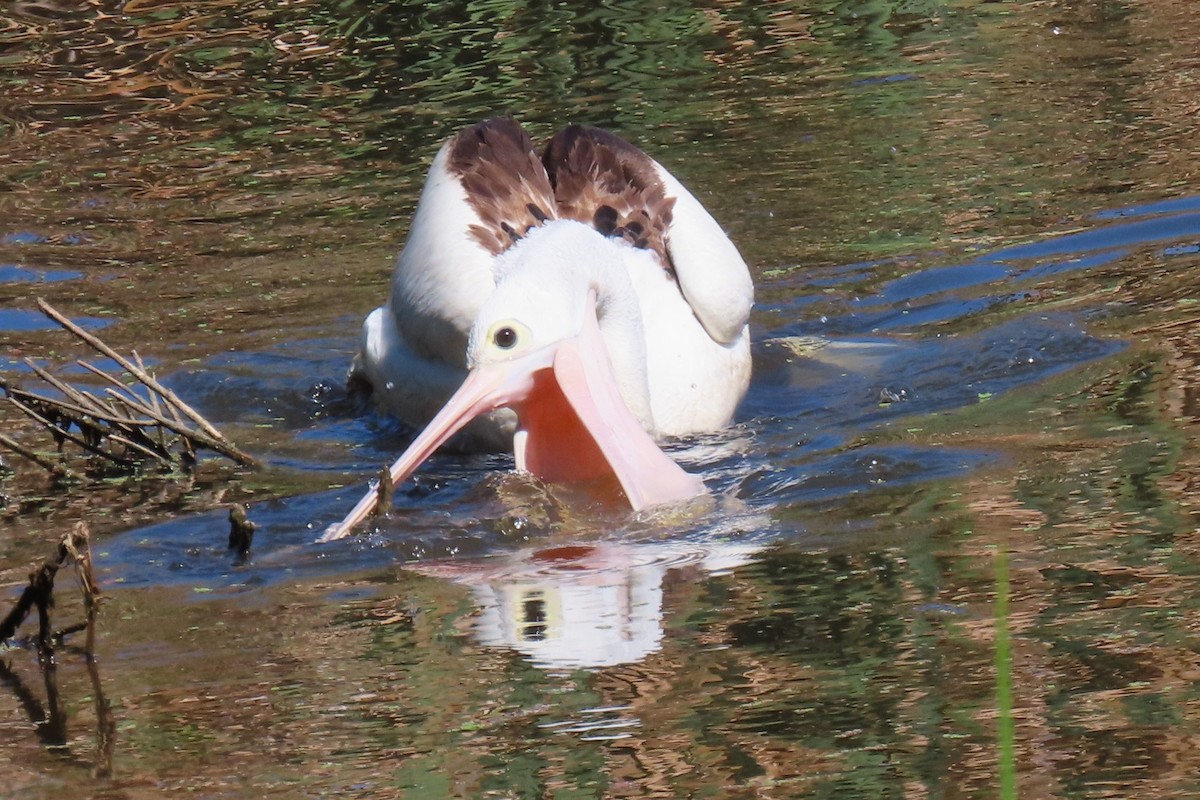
(950, 546)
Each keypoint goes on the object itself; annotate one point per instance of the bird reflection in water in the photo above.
(581, 606)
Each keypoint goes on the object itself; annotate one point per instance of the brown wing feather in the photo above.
(504, 180)
(604, 181)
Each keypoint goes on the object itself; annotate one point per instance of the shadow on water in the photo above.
(50, 720)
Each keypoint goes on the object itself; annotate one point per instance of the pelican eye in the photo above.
(505, 338)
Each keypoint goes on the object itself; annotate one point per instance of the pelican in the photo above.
(581, 305)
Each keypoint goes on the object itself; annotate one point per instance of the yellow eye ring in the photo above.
(506, 337)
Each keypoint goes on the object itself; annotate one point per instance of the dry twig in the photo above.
(123, 427)
(73, 547)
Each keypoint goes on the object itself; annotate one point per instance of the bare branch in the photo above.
(124, 424)
(141, 374)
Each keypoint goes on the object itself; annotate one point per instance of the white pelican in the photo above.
(581, 305)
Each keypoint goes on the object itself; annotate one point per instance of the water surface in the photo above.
(951, 544)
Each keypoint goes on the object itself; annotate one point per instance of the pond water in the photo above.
(954, 542)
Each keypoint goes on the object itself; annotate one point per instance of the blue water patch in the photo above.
(848, 387)
(1177, 206)
(19, 319)
(912, 315)
(1109, 237)
(23, 237)
(1081, 262)
(840, 475)
(843, 275)
(808, 410)
(898, 302)
(882, 79)
(193, 550)
(32, 237)
(11, 273)
(941, 279)
(955, 371)
(288, 386)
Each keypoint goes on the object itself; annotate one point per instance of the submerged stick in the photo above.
(241, 530)
(108, 415)
(78, 546)
(80, 398)
(59, 431)
(375, 502)
(129, 367)
(221, 446)
(106, 726)
(149, 452)
(384, 492)
(56, 469)
(99, 373)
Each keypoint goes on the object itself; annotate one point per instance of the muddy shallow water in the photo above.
(952, 545)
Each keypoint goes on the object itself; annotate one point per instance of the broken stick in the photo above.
(72, 547)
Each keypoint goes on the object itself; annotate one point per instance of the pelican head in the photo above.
(550, 286)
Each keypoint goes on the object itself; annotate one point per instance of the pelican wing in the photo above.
(602, 180)
(504, 180)
(486, 188)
